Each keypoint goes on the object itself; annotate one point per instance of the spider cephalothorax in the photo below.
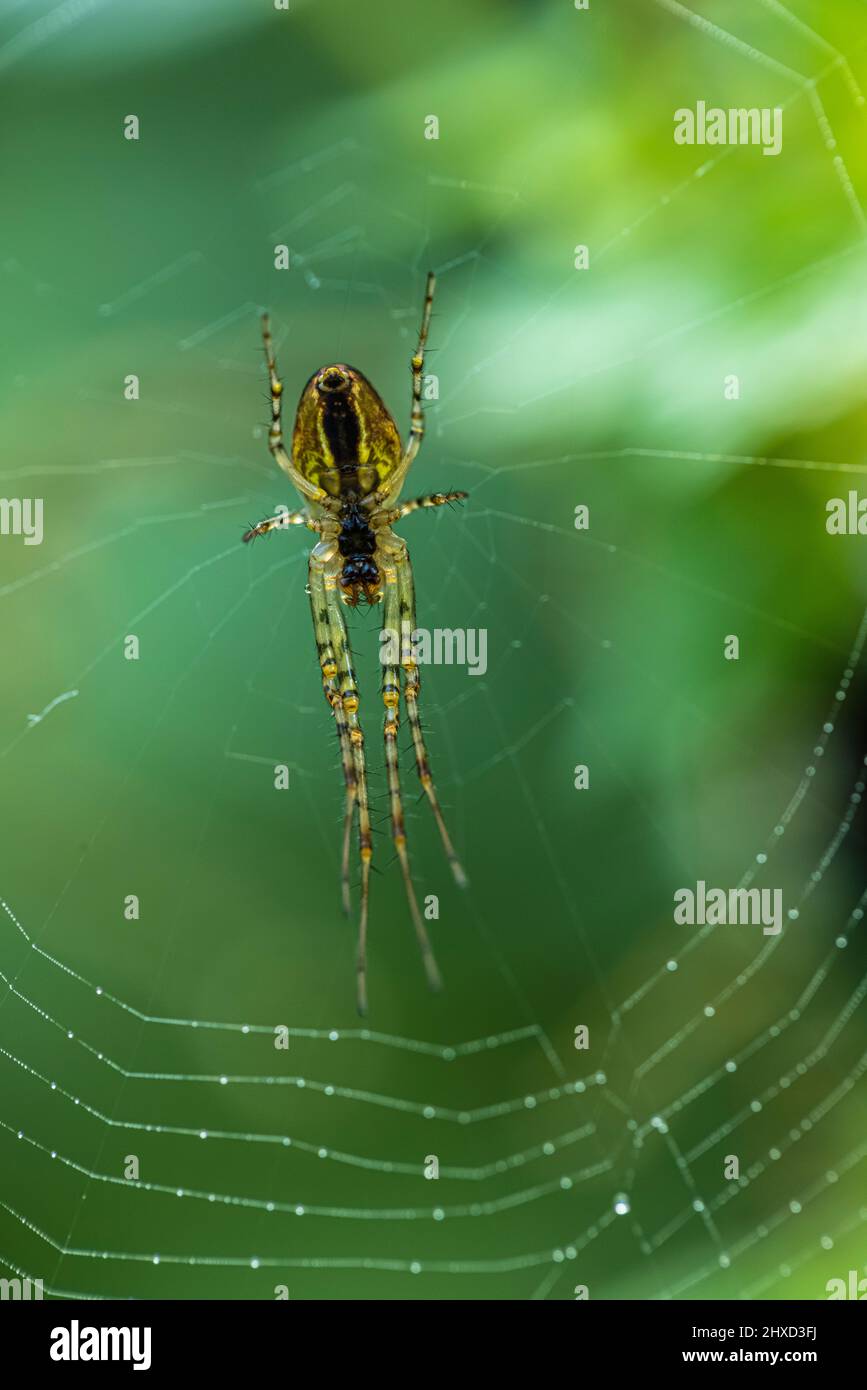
(348, 464)
(359, 575)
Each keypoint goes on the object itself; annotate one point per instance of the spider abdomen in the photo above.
(344, 440)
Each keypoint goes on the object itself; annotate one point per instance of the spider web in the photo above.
(304, 1167)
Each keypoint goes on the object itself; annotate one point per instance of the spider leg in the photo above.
(411, 689)
(281, 520)
(275, 433)
(328, 661)
(434, 499)
(349, 702)
(416, 427)
(391, 700)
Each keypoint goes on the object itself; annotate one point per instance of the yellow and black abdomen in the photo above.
(344, 439)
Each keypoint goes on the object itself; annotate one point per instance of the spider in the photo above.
(349, 466)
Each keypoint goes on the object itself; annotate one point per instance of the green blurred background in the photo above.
(556, 387)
